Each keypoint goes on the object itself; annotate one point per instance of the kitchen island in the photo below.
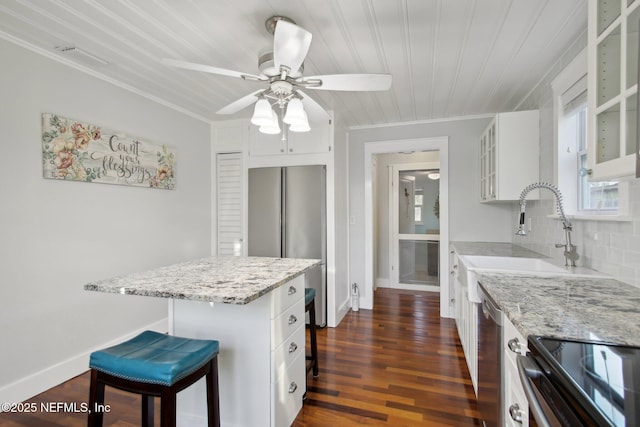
(254, 307)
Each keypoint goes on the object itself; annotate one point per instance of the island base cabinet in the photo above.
(261, 362)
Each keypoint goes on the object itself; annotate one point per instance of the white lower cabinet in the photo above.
(262, 373)
(515, 406)
(466, 316)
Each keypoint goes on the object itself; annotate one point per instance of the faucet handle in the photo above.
(560, 245)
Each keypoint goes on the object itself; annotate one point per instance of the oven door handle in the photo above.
(527, 370)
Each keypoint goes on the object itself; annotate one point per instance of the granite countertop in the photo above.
(573, 307)
(567, 307)
(225, 279)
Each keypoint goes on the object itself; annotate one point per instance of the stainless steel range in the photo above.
(581, 383)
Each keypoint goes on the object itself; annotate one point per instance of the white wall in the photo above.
(341, 206)
(469, 219)
(57, 236)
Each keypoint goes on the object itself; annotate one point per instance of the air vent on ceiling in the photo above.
(82, 55)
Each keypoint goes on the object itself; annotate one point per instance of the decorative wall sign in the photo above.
(78, 151)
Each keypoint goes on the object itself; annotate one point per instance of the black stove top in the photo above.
(603, 378)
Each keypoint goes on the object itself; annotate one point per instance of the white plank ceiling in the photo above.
(448, 58)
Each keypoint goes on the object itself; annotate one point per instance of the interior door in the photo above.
(415, 226)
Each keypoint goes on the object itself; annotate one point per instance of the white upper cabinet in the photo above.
(509, 155)
(613, 78)
(317, 140)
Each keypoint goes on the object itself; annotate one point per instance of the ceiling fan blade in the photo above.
(209, 69)
(315, 112)
(240, 104)
(351, 82)
(290, 45)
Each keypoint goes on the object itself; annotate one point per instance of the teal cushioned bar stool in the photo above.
(155, 364)
(310, 306)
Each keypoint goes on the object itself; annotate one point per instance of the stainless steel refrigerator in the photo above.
(287, 219)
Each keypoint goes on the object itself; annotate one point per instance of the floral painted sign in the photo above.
(78, 151)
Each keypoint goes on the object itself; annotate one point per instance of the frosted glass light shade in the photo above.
(271, 128)
(301, 127)
(295, 113)
(262, 113)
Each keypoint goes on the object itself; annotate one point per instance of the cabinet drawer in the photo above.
(290, 348)
(287, 393)
(286, 323)
(286, 295)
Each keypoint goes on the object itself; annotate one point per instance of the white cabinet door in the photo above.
(229, 204)
(316, 140)
(261, 144)
(612, 95)
(509, 152)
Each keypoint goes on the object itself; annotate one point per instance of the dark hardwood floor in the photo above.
(397, 365)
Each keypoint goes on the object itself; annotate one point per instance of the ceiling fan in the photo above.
(282, 72)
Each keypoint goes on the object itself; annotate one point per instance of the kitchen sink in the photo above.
(499, 263)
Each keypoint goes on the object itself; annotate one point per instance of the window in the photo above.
(581, 196)
(418, 200)
(592, 197)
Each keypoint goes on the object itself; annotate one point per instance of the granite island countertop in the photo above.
(225, 279)
(573, 307)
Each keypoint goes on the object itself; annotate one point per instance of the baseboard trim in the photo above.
(36, 383)
(342, 311)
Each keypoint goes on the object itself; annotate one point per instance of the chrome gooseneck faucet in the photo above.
(570, 250)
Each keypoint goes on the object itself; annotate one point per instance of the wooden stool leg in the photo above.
(147, 411)
(313, 339)
(213, 398)
(168, 408)
(96, 399)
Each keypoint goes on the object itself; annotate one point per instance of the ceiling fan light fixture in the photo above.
(262, 113)
(301, 127)
(433, 175)
(295, 114)
(273, 127)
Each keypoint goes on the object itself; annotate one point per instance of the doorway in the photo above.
(439, 144)
(414, 229)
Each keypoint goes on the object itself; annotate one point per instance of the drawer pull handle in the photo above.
(293, 347)
(293, 387)
(292, 290)
(515, 413)
(292, 319)
(515, 346)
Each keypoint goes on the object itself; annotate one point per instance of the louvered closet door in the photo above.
(229, 203)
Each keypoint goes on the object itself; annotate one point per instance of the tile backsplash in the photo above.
(611, 247)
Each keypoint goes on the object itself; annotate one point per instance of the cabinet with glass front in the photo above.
(613, 78)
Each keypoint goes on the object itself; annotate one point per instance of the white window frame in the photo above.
(566, 165)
